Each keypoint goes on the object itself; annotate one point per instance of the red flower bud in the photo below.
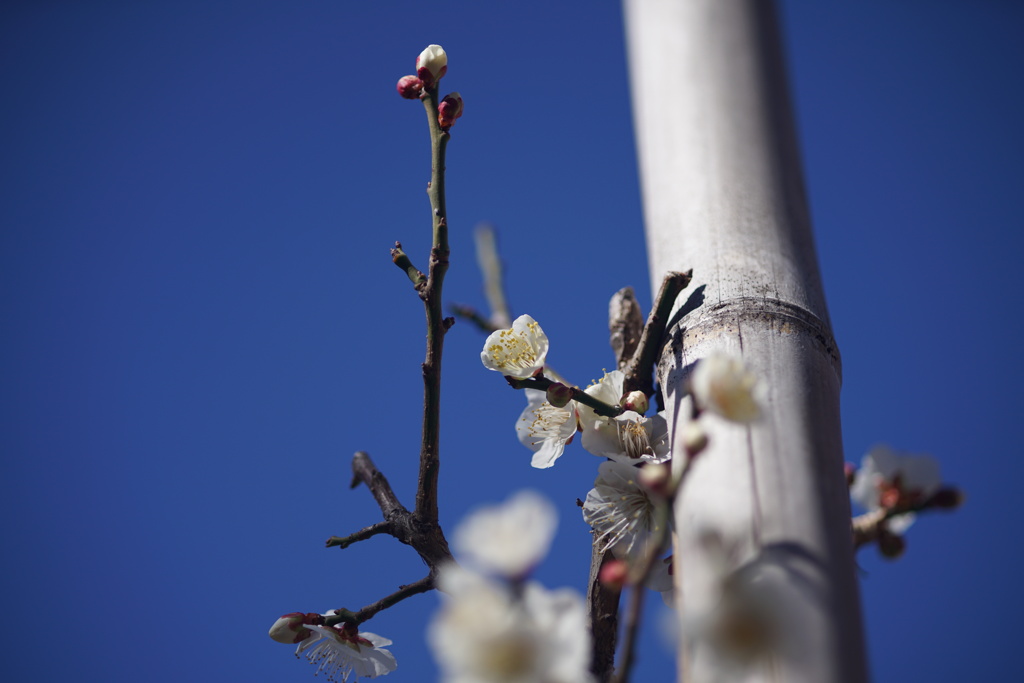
(410, 87)
(449, 110)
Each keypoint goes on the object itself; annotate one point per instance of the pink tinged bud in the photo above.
(655, 477)
(613, 574)
(410, 87)
(449, 110)
(289, 628)
(559, 395)
(635, 401)
(431, 65)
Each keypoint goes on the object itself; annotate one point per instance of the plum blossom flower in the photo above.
(340, 651)
(628, 438)
(517, 352)
(508, 539)
(431, 64)
(893, 480)
(545, 429)
(724, 385)
(620, 509)
(487, 633)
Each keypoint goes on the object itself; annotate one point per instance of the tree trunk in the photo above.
(723, 194)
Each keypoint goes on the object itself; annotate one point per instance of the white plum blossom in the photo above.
(487, 633)
(891, 479)
(517, 352)
(630, 437)
(341, 652)
(545, 429)
(620, 509)
(508, 539)
(725, 385)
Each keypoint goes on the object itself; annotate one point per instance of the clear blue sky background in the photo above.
(201, 322)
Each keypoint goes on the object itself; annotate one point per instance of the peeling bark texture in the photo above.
(723, 194)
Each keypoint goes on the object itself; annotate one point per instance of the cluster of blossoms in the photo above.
(613, 423)
(496, 625)
(339, 650)
(431, 65)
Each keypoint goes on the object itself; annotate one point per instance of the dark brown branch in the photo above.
(422, 586)
(603, 606)
(426, 487)
(364, 471)
(871, 526)
(625, 325)
(640, 370)
(361, 535)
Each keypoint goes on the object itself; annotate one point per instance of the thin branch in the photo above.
(576, 394)
(490, 267)
(640, 370)
(422, 586)
(437, 325)
(401, 259)
(474, 316)
(366, 472)
(361, 535)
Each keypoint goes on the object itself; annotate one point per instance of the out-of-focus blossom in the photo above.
(895, 481)
(508, 539)
(517, 352)
(724, 385)
(431, 64)
(628, 438)
(620, 509)
(545, 429)
(486, 633)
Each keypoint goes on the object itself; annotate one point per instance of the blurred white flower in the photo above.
(341, 652)
(508, 539)
(895, 480)
(545, 429)
(484, 633)
(724, 385)
(630, 437)
(620, 509)
(517, 352)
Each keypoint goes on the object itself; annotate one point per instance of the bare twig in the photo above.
(490, 266)
(603, 606)
(640, 370)
(401, 259)
(361, 535)
(625, 325)
(474, 316)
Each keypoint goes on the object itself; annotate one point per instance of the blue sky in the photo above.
(202, 324)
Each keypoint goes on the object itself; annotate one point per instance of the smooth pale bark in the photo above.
(723, 194)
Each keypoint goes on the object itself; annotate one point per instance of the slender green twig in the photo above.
(401, 259)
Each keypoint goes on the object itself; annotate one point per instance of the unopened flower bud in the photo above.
(695, 439)
(890, 545)
(449, 110)
(613, 574)
(431, 64)
(947, 498)
(635, 401)
(559, 395)
(290, 629)
(410, 87)
(655, 477)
